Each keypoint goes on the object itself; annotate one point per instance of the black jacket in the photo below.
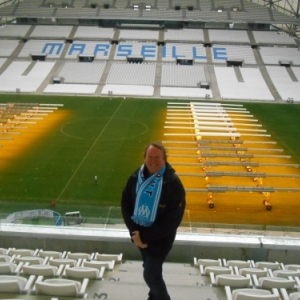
(161, 234)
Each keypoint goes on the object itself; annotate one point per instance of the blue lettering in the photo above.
(77, 47)
(220, 53)
(174, 54)
(164, 51)
(196, 56)
(101, 48)
(124, 50)
(148, 50)
(52, 47)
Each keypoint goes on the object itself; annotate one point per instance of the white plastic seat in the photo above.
(294, 296)
(5, 258)
(267, 265)
(286, 273)
(78, 256)
(276, 282)
(238, 263)
(216, 270)
(109, 265)
(21, 252)
(32, 260)
(60, 287)
(107, 257)
(52, 254)
(7, 268)
(253, 271)
(292, 267)
(3, 251)
(84, 272)
(235, 281)
(63, 261)
(203, 263)
(251, 294)
(15, 284)
(207, 262)
(40, 270)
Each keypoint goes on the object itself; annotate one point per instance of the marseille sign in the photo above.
(147, 50)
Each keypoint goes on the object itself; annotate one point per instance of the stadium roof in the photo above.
(288, 7)
(280, 14)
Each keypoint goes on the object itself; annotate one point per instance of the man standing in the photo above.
(153, 203)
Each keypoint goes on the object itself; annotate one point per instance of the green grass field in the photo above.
(88, 136)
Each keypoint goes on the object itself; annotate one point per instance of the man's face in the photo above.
(154, 159)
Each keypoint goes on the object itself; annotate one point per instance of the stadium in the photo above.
(86, 84)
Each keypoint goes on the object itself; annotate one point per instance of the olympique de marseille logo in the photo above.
(144, 211)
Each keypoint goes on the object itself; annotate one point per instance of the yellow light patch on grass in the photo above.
(237, 207)
(28, 137)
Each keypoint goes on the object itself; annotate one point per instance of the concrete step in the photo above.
(183, 282)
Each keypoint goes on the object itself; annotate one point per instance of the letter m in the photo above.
(49, 48)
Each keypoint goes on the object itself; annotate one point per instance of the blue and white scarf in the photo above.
(147, 197)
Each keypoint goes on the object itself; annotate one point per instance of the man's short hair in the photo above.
(159, 146)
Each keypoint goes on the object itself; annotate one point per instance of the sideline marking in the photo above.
(84, 158)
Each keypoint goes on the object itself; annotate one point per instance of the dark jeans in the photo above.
(153, 276)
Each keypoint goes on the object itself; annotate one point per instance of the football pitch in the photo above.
(57, 158)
